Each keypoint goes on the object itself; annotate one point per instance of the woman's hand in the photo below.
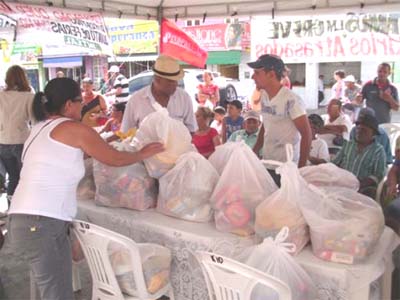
(150, 150)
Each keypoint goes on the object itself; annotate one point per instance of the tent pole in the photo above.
(159, 19)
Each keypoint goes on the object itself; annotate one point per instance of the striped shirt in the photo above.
(369, 163)
(121, 82)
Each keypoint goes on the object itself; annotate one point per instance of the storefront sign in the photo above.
(221, 37)
(346, 38)
(133, 37)
(59, 31)
(176, 43)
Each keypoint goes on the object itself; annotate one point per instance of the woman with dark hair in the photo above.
(15, 114)
(44, 202)
(94, 107)
(114, 123)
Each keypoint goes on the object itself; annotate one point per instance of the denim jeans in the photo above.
(11, 157)
(44, 243)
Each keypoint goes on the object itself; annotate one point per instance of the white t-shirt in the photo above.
(278, 115)
(142, 103)
(341, 120)
(216, 126)
(319, 149)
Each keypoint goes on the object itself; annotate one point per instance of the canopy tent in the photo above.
(154, 9)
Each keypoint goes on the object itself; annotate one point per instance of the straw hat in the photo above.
(168, 67)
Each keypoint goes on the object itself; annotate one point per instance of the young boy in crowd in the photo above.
(250, 132)
(234, 121)
(319, 152)
(219, 115)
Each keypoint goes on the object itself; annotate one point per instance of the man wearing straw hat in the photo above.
(163, 92)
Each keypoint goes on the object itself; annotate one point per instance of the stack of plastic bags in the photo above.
(160, 127)
(130, 186)
(186, 189)
(281, 208)
(273, 257)
(156, 261)
(243, 185)
(325, 175)
(345, 226)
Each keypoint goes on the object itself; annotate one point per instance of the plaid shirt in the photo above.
(369, 163)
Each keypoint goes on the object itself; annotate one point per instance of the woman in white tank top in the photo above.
(44, 202)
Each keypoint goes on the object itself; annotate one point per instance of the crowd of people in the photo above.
(56, 128)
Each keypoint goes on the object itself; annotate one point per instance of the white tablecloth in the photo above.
(334, 281)
(340, 281)
(182, 237)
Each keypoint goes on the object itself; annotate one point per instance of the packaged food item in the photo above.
(329, 175)
(160, 127)
(130, 186)
(185, 190)
(243, 185)
(155, 265)
(281, 209)
(345, 226)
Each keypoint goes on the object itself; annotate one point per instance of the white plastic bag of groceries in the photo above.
(345, 226)
(243, 185)
(86, 187)
(160, 127)
(273, 256)
(130, 186)
(281, 208)
(221, 155)
(329, 175)
(156, 264)
(185, 190)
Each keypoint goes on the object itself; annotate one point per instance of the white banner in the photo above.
(328, 38)
(59, 31)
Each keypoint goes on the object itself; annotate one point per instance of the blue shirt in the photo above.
(232, 126)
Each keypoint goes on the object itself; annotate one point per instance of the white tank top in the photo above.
(49, 177)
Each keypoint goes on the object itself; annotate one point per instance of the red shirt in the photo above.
(209, 90)
(204, 143)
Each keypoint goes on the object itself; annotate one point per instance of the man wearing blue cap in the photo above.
(284, 115)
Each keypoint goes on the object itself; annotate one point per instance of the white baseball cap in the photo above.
(113, 69)
(349, 78)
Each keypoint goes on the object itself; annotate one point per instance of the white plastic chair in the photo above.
(94, 241)
(380, 191)
(393, 131)
(228, 279)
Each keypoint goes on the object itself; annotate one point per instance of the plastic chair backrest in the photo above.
(95, 241)
(393, 132)
(228, 279)
(381, 192)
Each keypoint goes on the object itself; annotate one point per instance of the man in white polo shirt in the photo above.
(284, 115)
(163, 92)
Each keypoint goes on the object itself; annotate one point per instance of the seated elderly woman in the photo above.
(364, 156)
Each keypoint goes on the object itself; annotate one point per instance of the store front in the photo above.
(319, 45)
(68, 41)
(226, 43)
